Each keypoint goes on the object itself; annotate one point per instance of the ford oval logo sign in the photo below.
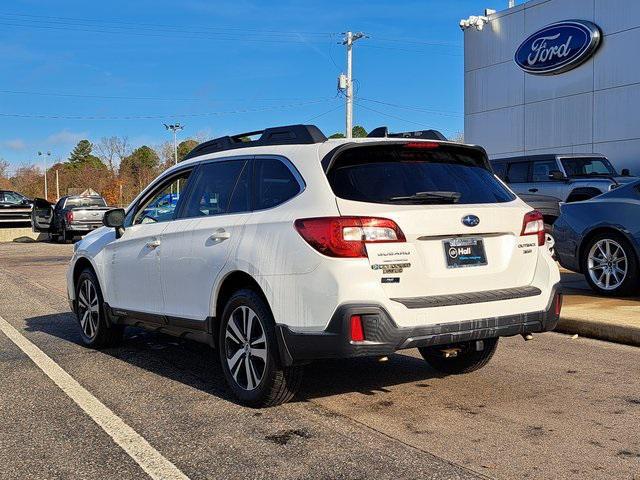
(471, 221)
(558, 47)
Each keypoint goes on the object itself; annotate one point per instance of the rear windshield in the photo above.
(400, 174)
(83, 202)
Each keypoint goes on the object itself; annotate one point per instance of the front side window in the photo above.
(162, 204)
(587, 167)
(11, 197)
(275, 183)
(404, 174)
(518, 172)
(542, 170)
(215, 186)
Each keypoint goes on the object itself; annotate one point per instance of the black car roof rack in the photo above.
(286, 135)
(383, 132)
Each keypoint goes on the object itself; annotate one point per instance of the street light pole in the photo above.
(175, 128)
(45, 155)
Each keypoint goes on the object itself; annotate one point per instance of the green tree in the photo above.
(81, 156)
(356, 132)
(185, 147)
(139, 168)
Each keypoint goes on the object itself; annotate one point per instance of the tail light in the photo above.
(69, 216)
(558, 304)
(424, 145)
(533, 224)
(346, 237)
(356, 330)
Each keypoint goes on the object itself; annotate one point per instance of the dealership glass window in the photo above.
(518, 172)
(542, 169)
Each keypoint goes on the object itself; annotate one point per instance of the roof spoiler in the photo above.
(286, 135)
(383, 132)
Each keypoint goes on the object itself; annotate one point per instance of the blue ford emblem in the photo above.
(470, 220)
(558, 47)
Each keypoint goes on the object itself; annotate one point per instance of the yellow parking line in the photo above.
(149, 459)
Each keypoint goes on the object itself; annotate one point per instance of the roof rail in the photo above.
(286, 135)
(383, 132)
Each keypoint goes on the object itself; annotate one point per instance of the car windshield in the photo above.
(588, 167)
(411, 174)
(82, 202)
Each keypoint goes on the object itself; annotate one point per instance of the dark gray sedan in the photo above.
(601, 239)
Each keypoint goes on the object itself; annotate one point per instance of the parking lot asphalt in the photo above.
(553, 407)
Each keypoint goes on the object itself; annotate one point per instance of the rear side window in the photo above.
(518, 172)
(213, 188)
(275, 183)
(542, 170)
(399, 174)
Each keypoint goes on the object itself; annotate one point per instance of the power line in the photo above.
(159, 116)
(390, 115)
(414, 108)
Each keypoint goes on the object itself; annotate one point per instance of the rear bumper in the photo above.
(383, 336)
(83, 227)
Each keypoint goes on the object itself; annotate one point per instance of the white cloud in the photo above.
(65, 137)
(15, 144)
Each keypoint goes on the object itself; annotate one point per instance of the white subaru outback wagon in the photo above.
(291, 248)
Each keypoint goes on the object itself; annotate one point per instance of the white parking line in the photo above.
(149, 459)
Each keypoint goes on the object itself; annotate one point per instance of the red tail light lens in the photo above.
(346, 237)
(357, 332)
(425, 145)
(558, 304)
(533, 224)
(69, 216)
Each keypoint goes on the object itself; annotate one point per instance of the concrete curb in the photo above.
(17, 234)
(629, 335)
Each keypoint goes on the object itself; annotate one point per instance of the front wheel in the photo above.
(95, 330)
(249, 353)
(458, 358)
(610, 265)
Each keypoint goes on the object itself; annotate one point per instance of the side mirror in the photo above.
(114, 218)
(625, 172)
(557, 175)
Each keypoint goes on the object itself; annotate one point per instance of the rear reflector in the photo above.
(558, 304)
(346, 237)
(357, 333)
(533, 224)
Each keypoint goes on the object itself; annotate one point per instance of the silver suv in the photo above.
(570, 178)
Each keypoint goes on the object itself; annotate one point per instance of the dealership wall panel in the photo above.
(593, 108)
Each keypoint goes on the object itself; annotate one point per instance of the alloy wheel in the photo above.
(607, 263)
(88, 309)
(246, 348)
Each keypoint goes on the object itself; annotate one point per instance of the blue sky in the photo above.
(220, 67)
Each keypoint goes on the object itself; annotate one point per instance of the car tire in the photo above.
(96, 331)
(251, 363)
(54, 238)
(65, 234)
(624, 275)
(467, 360)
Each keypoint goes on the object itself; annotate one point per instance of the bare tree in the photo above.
(112, 150)
(458, 137)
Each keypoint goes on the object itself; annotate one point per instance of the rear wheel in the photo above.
(248, 352)
(462, 357)
(95, 330)
(610, 265)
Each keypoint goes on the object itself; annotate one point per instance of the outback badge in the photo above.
(470, 221)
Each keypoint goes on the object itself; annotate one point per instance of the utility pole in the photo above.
(45, 155)
(57, 186)
(175, 128)
(349, 39)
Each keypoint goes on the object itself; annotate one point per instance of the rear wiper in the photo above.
(426, 197)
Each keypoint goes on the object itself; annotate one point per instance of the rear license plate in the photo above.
(464, 252)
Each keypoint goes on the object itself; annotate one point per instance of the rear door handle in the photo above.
(533, 190)
(220, 234)
(153, 244)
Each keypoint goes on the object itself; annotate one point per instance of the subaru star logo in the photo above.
(470, 220)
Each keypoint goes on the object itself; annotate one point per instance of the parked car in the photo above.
(293, 247)
(71, 216)
(571, 178)
(14, 207)
(601, 239)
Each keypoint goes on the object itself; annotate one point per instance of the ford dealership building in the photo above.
(555, 76)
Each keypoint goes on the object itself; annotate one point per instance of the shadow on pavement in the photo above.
(197, 365)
